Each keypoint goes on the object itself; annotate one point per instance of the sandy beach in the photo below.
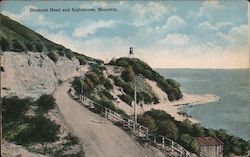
(172, 108)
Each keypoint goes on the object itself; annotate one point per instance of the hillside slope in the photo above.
(33, 74)
(18, 38)
(100, 137)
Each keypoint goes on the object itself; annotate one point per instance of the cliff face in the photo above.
(33, 74)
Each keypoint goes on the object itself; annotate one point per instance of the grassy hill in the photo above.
(18, 38)
(171, 87)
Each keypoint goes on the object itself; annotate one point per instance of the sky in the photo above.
(165, 34)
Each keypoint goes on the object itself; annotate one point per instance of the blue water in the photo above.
(231, 113)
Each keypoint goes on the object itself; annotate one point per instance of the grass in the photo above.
(19, 38)
(171, 87)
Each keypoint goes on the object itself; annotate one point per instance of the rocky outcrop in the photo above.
(33, 74)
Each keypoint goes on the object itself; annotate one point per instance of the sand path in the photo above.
(99, 136)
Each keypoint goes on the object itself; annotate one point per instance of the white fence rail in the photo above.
(166, 145)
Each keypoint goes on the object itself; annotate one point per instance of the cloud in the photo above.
(25, 13)
(91, 27)
(197, 56)
(148, 13)
(94, 4)
(101, 48)
(175, 39)
(207, 26)
(174, 22)
(38, 19)
(236, 36)
(209, 7)
(224, 24)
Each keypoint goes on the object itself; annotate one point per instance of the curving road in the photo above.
(99, 136)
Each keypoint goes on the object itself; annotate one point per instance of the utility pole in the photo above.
(82, 81)
(135, 110)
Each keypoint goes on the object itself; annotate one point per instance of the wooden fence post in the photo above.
(163, 142)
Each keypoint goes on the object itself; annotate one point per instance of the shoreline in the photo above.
(173, 108)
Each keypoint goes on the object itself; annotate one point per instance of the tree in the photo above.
(128, 74)
(147, 121)
(168, 128)
(198, 130)
(188, 142)
(186, 127)
(45, 103)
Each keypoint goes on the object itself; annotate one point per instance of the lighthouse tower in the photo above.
(131, 52)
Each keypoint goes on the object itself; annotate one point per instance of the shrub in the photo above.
(45, 103)
(188, 142)
(69, 54)
(14, 108)
(147, 121)
(168, 128)
(72, 140)
(40, 130)
(126, 98)
(24, 129)
(82, 61)
(128, 74)
(18, 46)
(198, 130)
(30, 46)
(39, 47)
(5, 44)
(107, 84)
(53, 56)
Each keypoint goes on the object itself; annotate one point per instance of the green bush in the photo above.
(23, 129)
(69, 54)
(18, 46)
(30, 46)
(184, 133)
(71, 140)
(39, 47)
(82, 61)
(128, 74)
(126, 98)
(5, 44)
(107, 84)
(40, 130)
(189, 143)
(147, 121)
(45, 103)
(14, 108)
(53, 56)
(168, 128)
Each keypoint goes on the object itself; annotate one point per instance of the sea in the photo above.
(232, 112)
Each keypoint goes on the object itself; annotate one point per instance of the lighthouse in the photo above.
(131, 52)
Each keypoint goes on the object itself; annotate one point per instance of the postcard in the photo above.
(125, 78)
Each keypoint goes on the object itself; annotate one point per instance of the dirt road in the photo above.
(99, 136)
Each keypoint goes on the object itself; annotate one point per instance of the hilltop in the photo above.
(19, 38)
